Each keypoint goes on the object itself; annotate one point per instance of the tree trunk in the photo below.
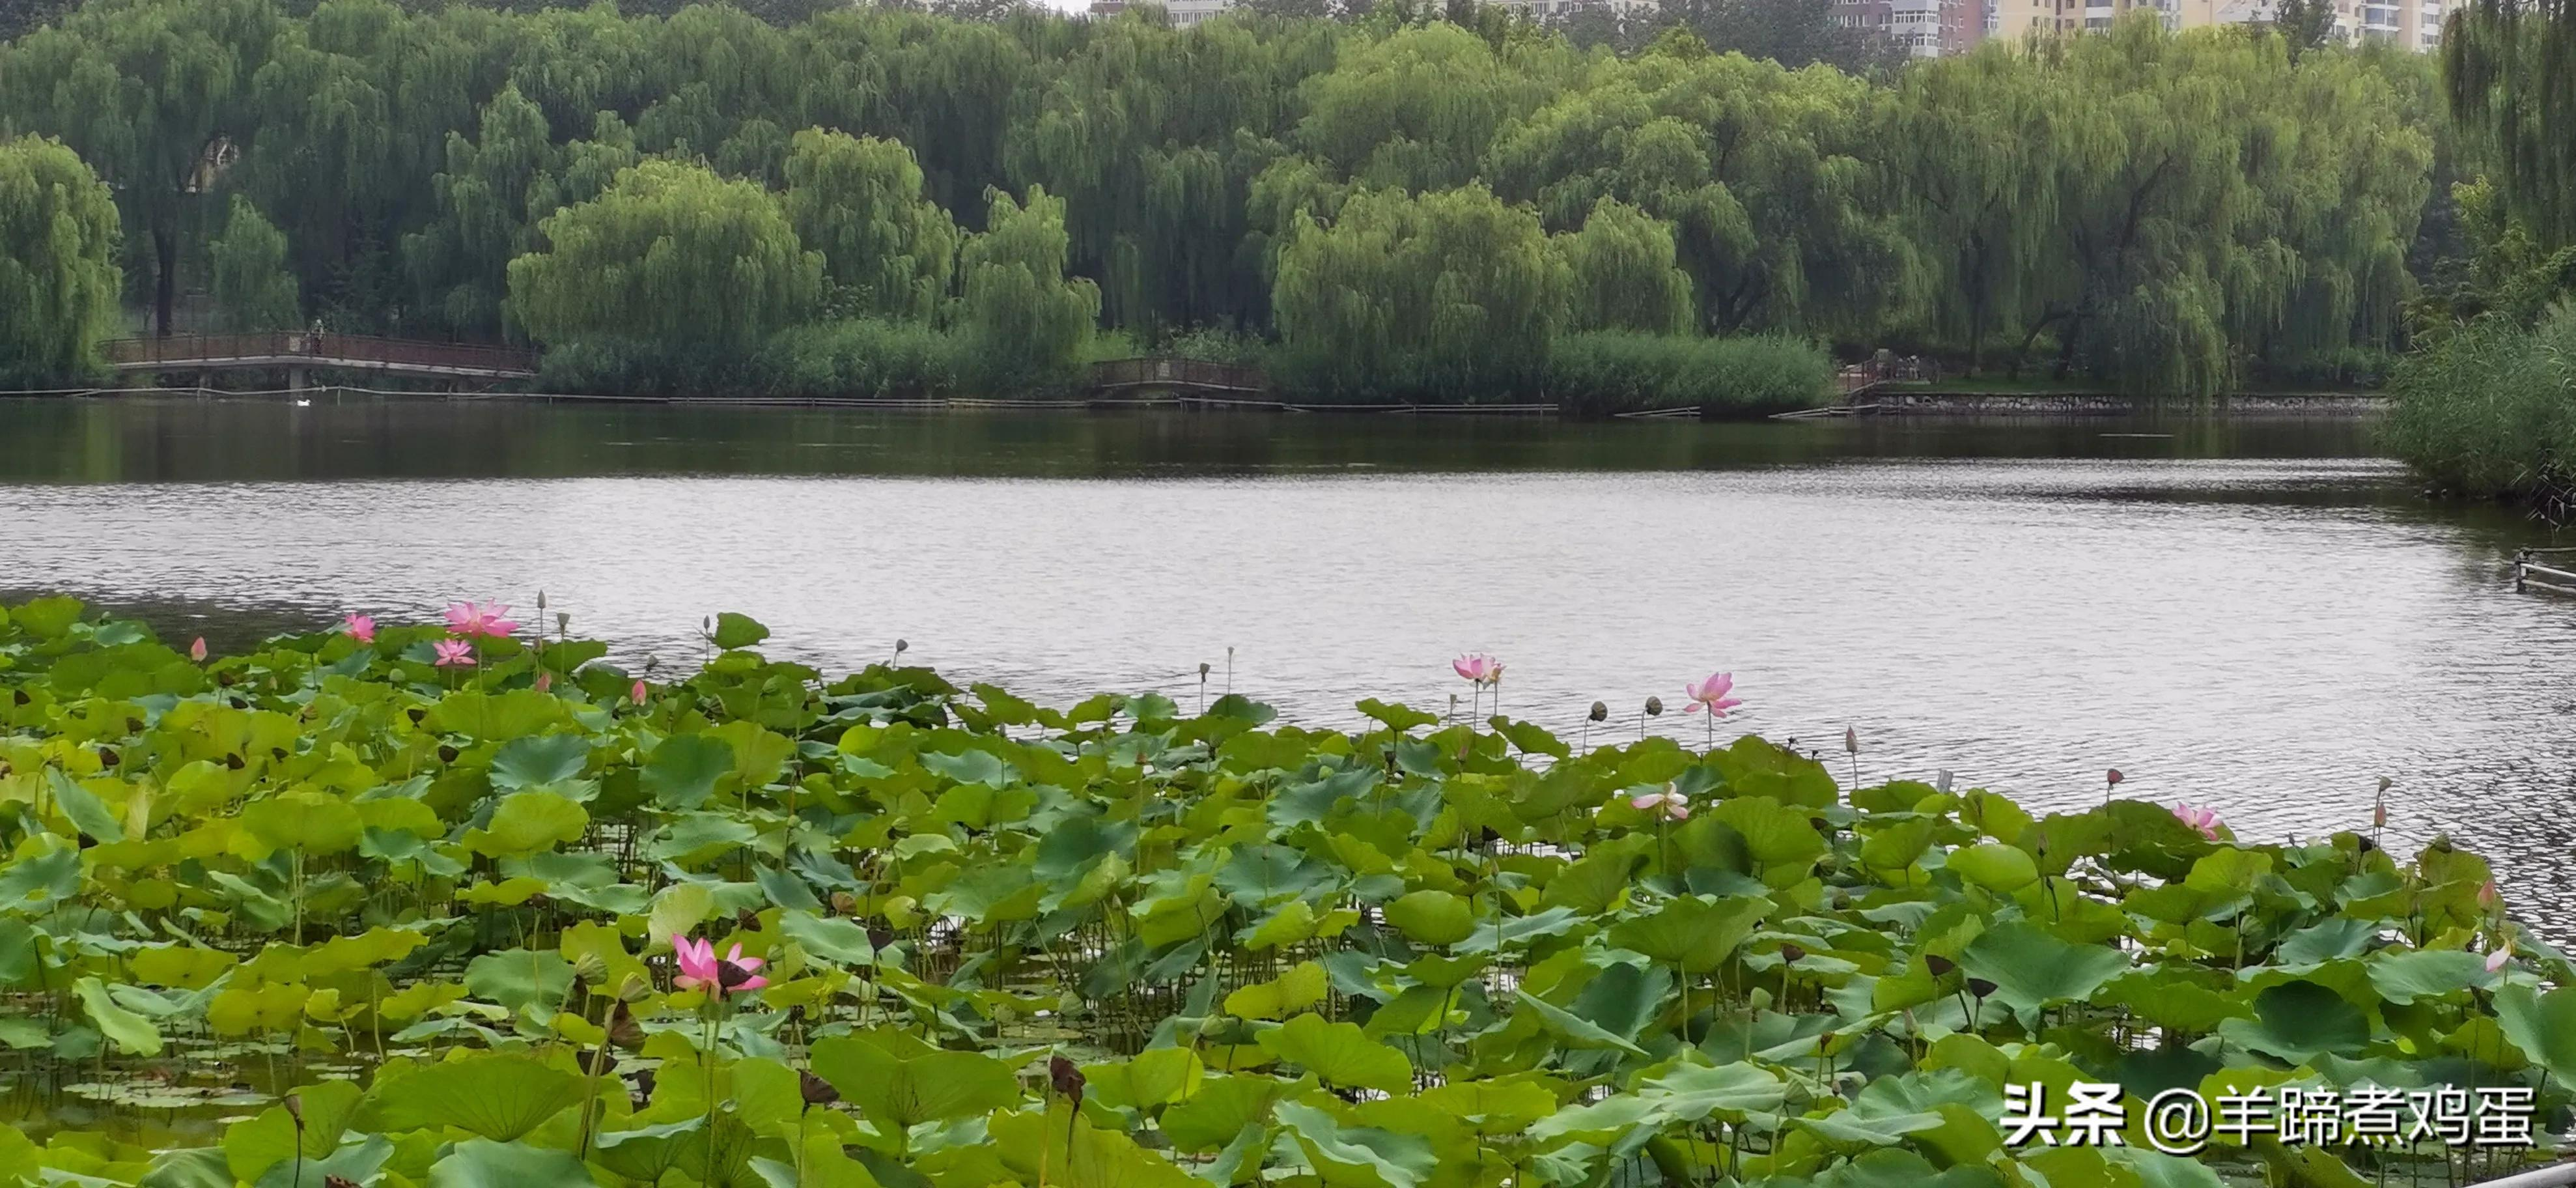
(165, 279)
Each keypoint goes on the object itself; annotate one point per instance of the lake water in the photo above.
(2260, 615)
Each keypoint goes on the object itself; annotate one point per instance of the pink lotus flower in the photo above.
(636, 694)
(1479, 668)
(197, 650)
(2379, 816)
(2113, 780)
(2203, 819)
(545, 681)
(2496, 960)
(453, 652)
(1711, 695)
(361, 628)
(1670, 802)
(491, 618)
(699, 967)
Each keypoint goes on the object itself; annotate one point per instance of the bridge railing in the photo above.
(324, 349)
(1183, 373)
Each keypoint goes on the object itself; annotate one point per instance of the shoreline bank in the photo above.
(1885, 404)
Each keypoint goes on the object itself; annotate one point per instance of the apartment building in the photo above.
(2412, 24)
(1926, 28)
(1183, 13)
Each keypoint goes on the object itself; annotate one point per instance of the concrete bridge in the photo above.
(298, 354)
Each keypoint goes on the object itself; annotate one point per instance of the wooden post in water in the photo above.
(2521, 566)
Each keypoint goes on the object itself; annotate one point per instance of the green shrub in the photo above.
(2490, 411)
(1614, 371)
(860, 357)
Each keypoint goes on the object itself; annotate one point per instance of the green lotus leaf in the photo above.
(2543, 1026)
(542, 759)
(1338, 1053)
(527, 822)
(1692, 932)
(1301, 986)
(899, 1085)
(481, 1163)
(1692, 1092)
(2402, 978)
(500, 1096)
(1903, 1169)
(1576, 1032)
(1432, 917)
(1218, 1109)
(83, 808)
(2032, 969)
(842, 942)
(1362, 1157)
(311, 822)
(2298, 1021)
(1995, 866)
(132, 1033)
(684, 770)
(520, 978)
(738, 631)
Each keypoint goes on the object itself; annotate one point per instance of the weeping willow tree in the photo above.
(671, 254)
(1973, 143)
(1024, 320)
(2510, 66)
(485, 197)
(1779, 220)
(1620, 273)
(890, 251)
(253, 289)
(1452, 293)
(144, 91)
(58, 274)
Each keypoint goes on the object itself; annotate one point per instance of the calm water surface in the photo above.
(2260, 615)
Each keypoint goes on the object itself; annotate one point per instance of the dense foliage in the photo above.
(489, 911)
(2175, 212)
(58, 245)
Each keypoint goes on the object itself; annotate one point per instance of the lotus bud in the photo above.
(2114, 777)
(563, 621)
(1600, 712)
(1851, 741)
(1066, 1079)
(1654, 707)
(541, 600)
(294, 1104)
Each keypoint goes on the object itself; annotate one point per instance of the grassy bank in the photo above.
(484, 909)
(2490, 411)
(1588, 374)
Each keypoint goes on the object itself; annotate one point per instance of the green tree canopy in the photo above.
(252, 288)
(1620, 273)
(58, 274)
(1453, 292)
(859, 201)
(671, 253)
(1021, 314)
